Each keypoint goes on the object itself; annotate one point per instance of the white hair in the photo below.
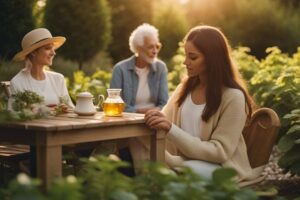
(137, 37)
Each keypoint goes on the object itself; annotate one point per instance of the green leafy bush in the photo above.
(96, 84)
(289, 144)
(27, 105)
(100, 179)
(178, 72)
(275, 83)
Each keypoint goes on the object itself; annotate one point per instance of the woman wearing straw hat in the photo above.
(38, 50)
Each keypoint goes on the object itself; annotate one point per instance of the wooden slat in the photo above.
(11, 150)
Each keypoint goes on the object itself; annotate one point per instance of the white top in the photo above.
(143, 96)
(191, 116)
(51, 88)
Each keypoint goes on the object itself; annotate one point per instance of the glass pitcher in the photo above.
(113, 105)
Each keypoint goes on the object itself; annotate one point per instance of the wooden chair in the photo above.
(260, 135)
(6, 87)
(11, 155)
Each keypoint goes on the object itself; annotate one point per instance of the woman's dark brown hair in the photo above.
(221, 71)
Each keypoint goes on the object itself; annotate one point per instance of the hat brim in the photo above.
(57, 42)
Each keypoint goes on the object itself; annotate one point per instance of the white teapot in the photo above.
(84, 104)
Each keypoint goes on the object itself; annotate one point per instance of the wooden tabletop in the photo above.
(70, 121)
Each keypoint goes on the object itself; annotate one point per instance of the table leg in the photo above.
(49, 164)
(157, 148)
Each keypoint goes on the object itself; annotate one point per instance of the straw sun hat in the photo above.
(35, 39)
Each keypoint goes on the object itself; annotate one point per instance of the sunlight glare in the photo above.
(183, 1)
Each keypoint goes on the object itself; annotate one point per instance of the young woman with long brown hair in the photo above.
(207, 112)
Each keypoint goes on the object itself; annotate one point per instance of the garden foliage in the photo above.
(100, 179)
(274, 82)
(96, 84)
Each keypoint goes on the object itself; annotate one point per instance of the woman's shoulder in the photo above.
(232, 93)
(21, 75)
(53, 74)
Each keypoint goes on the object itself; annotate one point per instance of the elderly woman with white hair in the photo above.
(142, 77)
(38, 51)
(143, 80)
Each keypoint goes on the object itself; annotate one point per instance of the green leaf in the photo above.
(222, 175)
(245, 194)
(295, 168)
(270, 192)
(297, 141)
(290, 157)
(287, 142)
(294, 129)
(117, 195)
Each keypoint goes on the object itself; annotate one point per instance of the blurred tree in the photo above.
(257, 24)
(126, 16)
(170, 19)
(86, 25)
(264, 25)
(38, 12)
(294, 3)
(15, 21)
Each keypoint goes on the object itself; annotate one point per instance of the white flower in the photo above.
(23, 179)
(35, 108)
(71, 179)
(166, 171)
(113, 157)
(92, 159)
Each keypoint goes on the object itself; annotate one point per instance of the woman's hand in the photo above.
(156, 120)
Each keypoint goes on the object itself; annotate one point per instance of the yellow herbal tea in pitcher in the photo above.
(113, 109)
(113, 105)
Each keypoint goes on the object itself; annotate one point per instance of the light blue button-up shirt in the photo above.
(125, 77)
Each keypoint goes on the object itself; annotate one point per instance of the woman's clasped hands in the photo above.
(157, 120)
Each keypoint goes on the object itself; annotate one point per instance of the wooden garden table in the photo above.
(49, 135)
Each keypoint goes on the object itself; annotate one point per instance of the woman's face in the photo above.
(194, 60)
(44, 55)
(149, 51)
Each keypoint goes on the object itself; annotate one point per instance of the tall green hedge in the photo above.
(15, 21)
(85, 24)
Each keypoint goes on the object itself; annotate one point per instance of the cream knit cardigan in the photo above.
(221, 138)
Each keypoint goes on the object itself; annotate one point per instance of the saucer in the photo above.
(85, 113)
